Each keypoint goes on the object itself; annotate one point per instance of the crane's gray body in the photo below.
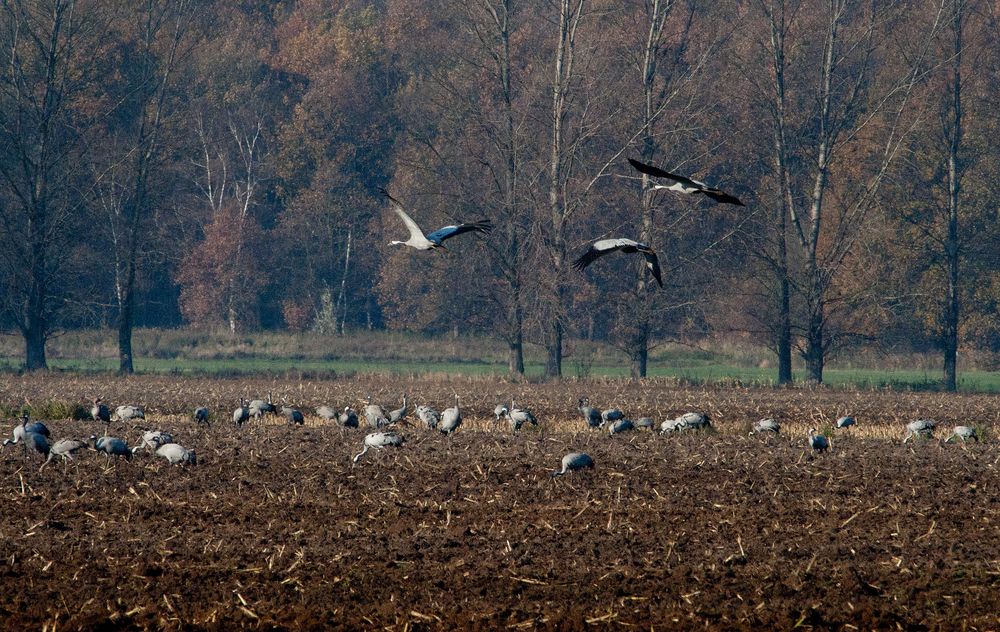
(100, 412)
(818, 442)
(241, 415)
(574, 461)
(379, 440)
(451, 418)
(201, 415)
(65, 449)
(612, 414)
(428, 416)
(964, 433)
(620, 426)
(846, 422)
(153, 439)
(520, 416)
(176, 454)
(111, 446)
(766, 425)
(293, 415)
(590, 414)
(129, 412)
(645, 423)
(348, 418)
(399, 414)
(919, 428)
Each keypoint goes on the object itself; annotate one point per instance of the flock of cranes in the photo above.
(677, 184)
(34, 436)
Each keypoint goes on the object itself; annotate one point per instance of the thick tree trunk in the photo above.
(952, 311)
(553, 361)
(126, 304)
(785, 334)
(34, 348)
(640, 356)
(815, 355)
(515, 356)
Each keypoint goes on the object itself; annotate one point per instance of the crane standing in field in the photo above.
(201, 415)
(100, 412)
(590, 414)
(451, 418)
(817, 442)
(242, 414)
(395, 416)
(436, 239)
(518, 416)
(64, 448)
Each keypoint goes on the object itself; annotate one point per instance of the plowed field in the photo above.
(276, 528)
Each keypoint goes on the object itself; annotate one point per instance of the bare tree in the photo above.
(158, 28)
(49, 48)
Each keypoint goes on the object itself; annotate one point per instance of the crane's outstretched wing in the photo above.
(715, 194)
(656, 172)
(722, 197)
(411, 225)
(604, 246)
(446, 232)
(653, 263)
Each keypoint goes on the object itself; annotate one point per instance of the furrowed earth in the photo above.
(276, 528)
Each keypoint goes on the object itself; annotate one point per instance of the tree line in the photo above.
(218, 164)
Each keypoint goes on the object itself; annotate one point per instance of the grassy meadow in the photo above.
(276, 353)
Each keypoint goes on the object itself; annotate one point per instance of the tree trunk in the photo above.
(815, 352)
(785, 333)
(34, 348)
(553, 362)
(640, 357)
(515, 356)
(951, 246)
(125, 316)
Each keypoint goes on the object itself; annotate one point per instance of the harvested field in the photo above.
(275, 527)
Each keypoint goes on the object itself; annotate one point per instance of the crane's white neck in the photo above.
(396, 243)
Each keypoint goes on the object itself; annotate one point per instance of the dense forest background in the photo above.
(217, 164)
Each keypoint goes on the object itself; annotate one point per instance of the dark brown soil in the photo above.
(276, 529)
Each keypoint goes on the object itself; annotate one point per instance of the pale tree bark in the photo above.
(570, 14)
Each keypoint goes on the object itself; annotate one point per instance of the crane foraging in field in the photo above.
(612, 414)
(176, 454)
(37, 442)
(621, 425)
(379, 440)
(64, 448)
(201, 415)
(629, 246)
(590, 414)
(129, 412)
(293, 415)
(765, 425)
(817, 442)
(100, 412)
(964, 433)
(111, 447)
(23, 428)
(845, 422)
(348, 418)
(682, 184)
(398, 415)
(519, 416)
(434, 240)
(919, 428)
(153, 439)
(242, 414)
(258, 407)
(574, 461)
(374, 414)
(451, 418)
(646, 423)
(499, 411)
(428, 416)
(326, 412)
